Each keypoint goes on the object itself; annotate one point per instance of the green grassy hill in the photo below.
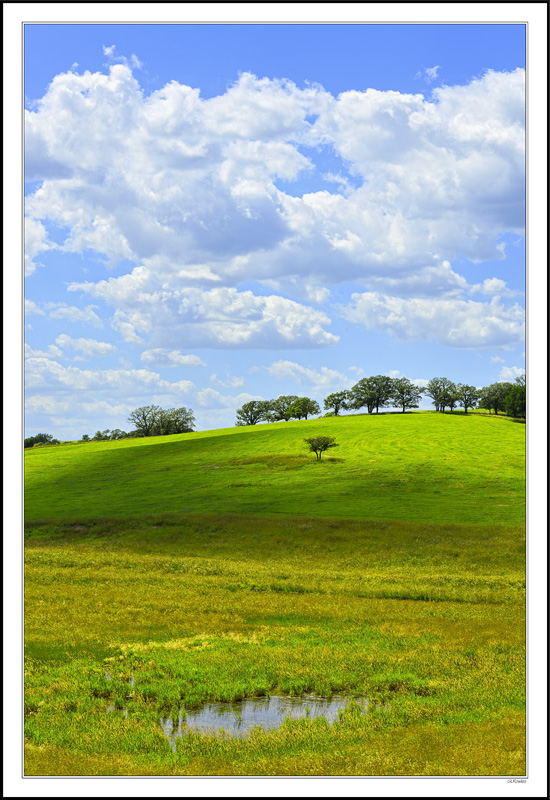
(420, 467)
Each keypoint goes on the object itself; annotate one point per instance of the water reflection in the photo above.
(237, 719)
(112, 708)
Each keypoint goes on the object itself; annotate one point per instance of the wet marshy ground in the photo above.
(238, 719)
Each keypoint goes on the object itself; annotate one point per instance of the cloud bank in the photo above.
(197, 193)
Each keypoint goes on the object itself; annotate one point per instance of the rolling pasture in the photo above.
(423, 466)
(165, 573)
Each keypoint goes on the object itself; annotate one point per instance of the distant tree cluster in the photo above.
(149, 421)
(510, 398)
(380, 391)
(285, 407)
(374, 393)
(157, 421)
(40, 439)
(109, 435)
(446, 394)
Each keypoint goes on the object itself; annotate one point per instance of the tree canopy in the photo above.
(405, 394)
(285, 407)
(336, 401)
(439, 389)
(467, 396)
(40, 438)
(493, 397)
(303, 407)
(279, 409)
(516, 401)
(319, 444)
(155, 421)
(252, 412)
(374, 393)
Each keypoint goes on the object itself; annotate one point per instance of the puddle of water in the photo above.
(112, 708)
(238, 719)
(109, 677)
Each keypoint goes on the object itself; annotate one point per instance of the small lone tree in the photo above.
(318, 444)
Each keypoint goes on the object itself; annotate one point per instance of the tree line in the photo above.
(39, 440)
(149, 421)
(371, 393)
(380, 391)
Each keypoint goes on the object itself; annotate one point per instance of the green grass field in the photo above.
(231, 564)
(422, 467)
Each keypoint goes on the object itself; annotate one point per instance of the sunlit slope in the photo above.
(421, 467)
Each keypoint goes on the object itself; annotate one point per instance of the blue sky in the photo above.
(219, 213)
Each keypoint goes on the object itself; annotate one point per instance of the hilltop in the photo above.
(421, 466)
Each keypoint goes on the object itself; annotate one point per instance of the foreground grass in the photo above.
(429, 467)
(427, 620)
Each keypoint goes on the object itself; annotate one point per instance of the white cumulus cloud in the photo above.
(456, 323)
(317, 380)
(230, 381)
(219, 317)
(44, 372)
(511, 373)
(185, 186)
(51, 352)
(90, 348)
(171, 358)
(492, 287)
(74, 314)
(32, 308)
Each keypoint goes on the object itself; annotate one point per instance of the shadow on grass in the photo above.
(475, 413)
(44, 651)
(284, 460)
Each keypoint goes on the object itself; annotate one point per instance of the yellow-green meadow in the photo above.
(165, 573)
